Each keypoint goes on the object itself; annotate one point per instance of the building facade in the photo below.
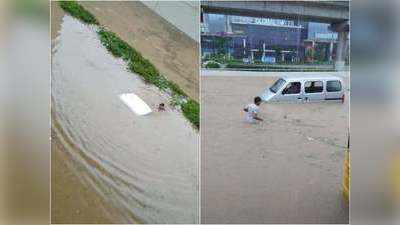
(267, 40)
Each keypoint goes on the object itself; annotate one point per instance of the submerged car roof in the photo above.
(310, 77)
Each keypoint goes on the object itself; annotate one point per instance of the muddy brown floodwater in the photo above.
(287, 169)
(126, 168)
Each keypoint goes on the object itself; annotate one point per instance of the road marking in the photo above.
(136, 104)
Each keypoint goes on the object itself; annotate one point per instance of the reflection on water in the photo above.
(144, 166)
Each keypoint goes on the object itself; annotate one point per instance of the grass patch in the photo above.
(137, 63)
(213, 65)
(191, 110)
(176, 89)
(76, 10)
(143, 67)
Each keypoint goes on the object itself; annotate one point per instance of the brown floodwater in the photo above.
(286, 169)
(143, 167)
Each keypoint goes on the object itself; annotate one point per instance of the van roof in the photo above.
(310, 77)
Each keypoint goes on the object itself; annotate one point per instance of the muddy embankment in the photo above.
(173, 53)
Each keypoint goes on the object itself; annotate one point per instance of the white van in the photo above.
(304, 89)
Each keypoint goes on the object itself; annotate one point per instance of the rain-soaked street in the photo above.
(286, 169)
(144, 167)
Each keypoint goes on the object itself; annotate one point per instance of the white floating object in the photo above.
(136, 104)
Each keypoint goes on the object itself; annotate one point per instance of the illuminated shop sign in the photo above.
(326, 35)
(264, 21)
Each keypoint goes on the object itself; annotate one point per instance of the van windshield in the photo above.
(278, 84)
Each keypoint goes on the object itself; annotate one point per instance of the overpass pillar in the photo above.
(343, 43)
(228, 26)
(330, 51)
(341, 50)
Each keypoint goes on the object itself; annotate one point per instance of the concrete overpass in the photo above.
(335, 13)
(181, 14)
(321, 11)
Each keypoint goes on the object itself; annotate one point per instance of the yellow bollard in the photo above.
(395, 176)
(346, 176)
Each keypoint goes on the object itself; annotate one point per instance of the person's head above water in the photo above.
(257, 100)
(161, 107)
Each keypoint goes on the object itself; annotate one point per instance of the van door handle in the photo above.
(299, 98)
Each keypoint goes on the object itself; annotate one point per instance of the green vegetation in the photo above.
(258, 63)
(320, 53)
(217, 57)
(222, 44)
(213, 65)
(235, 65)
(137, 63)
(277, 67)
(176, 89)
(76, 10)
(191, 112)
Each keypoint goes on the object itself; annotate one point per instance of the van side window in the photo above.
(292, 88)
(313, 86)
(333, 86)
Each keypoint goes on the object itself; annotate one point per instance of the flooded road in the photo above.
(286, 169)
(143, 166)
